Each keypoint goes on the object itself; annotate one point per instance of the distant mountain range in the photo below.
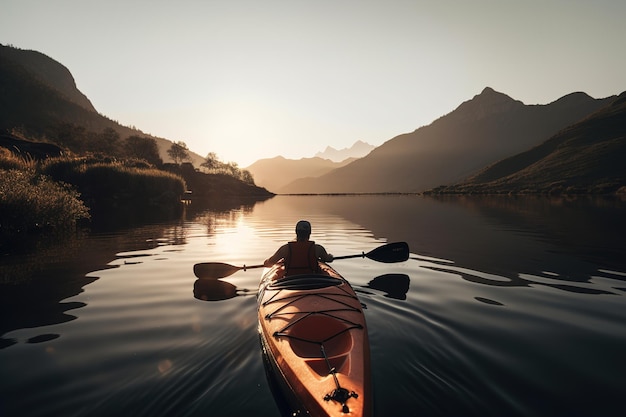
(488, 128)
(491, 143)
(358, 150)
(275, 173)
(38, 93)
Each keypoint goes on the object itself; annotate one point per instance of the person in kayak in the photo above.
(300, 256)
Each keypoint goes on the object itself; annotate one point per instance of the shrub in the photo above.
(64, 169)
(37, 196)
(132, 184)
(30, 202)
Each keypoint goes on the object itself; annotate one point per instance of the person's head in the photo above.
(303, 230)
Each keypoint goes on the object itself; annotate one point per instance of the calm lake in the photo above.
(506, 307)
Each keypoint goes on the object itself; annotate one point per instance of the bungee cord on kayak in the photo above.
(339, 394)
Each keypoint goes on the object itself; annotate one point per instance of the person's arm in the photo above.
(281, 253)
(321, 254)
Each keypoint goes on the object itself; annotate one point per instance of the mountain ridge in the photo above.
(358, 150)
(275, 173)
(39, 92)
(49, 72)
(586, 157)
(489, 127)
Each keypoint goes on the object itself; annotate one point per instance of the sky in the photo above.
(251, 79)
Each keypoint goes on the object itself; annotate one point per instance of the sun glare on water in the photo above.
(233, 241)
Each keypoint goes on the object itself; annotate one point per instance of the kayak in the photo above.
(314, 338)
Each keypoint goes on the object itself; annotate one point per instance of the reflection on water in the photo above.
(515, 231)
(216, 290)
(507, 306)
(393, 285)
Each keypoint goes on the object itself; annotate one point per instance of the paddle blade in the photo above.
(390, 253)
(214, 270)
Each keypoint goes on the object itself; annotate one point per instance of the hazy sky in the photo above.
(255, 79)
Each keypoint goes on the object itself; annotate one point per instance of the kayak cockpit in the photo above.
(305, 282)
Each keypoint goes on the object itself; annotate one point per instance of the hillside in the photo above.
(275, 173)
(489, 127)
(48, 72)
(587, 157)
(38, 94)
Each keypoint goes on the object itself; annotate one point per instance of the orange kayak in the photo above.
(314, 339)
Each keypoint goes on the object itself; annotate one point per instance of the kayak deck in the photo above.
(314, 333)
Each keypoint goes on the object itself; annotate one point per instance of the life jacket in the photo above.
(301, 259)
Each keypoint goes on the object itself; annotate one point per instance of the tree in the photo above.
(211, 161)
(106, 142)
(178, 152)
(232, 169)
(143, 148)
(70, 136)
(246, 176)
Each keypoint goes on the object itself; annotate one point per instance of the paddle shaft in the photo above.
(360, 255)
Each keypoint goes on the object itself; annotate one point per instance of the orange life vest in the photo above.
(301, 259)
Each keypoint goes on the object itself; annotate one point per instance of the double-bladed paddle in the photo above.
(388, 253)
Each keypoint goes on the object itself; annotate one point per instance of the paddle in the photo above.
(388, 253)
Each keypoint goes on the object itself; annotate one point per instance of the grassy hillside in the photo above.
(587, 157)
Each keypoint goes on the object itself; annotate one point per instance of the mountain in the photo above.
(358, 150)
(587, 157)
(489, 127)
(275, 173)
(48, 72)
(38, 94)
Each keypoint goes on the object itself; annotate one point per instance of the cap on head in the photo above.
(303, 228)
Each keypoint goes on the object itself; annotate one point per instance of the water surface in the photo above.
(507, 306)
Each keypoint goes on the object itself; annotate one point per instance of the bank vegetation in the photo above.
(53, 195)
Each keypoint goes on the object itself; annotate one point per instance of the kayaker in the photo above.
(300, 256)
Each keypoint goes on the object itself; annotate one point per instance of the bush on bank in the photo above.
(31, 202)
(56, 193)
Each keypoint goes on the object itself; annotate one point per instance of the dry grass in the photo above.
(55, 194)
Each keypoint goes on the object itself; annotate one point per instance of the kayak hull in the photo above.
(314, 338)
